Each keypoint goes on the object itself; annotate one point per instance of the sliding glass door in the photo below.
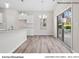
(64, 27)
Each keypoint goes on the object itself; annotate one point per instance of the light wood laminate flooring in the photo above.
(42, 44)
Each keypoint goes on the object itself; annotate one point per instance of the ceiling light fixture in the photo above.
(22, 13)
(42, 8)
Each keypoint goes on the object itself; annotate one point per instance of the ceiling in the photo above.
(26, 5)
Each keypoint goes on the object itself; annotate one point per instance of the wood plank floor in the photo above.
(42, 44)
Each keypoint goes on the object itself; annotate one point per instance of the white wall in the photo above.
(49, 28)
(76, 27)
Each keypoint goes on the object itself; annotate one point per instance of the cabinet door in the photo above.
(30, 19)
(1, 18)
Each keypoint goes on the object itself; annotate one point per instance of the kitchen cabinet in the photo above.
(1, 18)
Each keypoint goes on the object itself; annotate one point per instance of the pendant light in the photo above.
(22, 13)
(42, 16)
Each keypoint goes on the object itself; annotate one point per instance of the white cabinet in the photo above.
(30, 25)
(1, 18)
(26, 21)
(23, 16)
(30, 19)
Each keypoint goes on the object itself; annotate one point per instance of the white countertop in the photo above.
(10, 40)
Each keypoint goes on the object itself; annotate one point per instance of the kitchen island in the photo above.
(10, 40)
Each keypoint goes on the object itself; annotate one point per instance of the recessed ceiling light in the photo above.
(7, 5)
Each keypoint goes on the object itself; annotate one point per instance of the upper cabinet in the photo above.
(23, 16)
(30, 19)
(1, 18)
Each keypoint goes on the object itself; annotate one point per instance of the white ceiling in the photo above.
(27, 5)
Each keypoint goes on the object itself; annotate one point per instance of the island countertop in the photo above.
(10, 40)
